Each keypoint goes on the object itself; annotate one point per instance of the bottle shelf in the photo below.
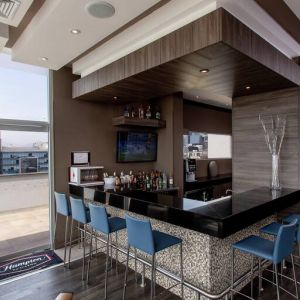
(127, 121)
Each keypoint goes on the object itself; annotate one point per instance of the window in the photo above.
(23, 152)
(199, 145)
(24, 91)
(219, 146)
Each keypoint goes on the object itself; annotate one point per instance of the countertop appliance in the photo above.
(86, 176)
(190, 170)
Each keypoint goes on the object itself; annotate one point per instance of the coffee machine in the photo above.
(190, 170)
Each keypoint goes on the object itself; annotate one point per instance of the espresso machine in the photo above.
(190, 170)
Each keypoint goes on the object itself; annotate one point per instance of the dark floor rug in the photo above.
(28, 263)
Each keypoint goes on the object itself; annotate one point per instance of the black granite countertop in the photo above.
(220, 218)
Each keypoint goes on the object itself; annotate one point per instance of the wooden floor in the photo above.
(48, 284)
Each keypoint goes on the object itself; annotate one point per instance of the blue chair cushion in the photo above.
(257, 246)
(291, 218)
(116, 224)
(274, 227)
(163, 240)
(88, 214)
(271, 229)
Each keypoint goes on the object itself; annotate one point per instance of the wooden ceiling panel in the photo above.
(229, 73)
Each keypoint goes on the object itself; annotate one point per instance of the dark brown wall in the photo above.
(82, 125)
(251, 158)
(204, 118)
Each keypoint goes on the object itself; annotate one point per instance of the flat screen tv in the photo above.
(136, 146)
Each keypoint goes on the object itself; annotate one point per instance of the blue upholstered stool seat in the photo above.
(257, 246)
(276, 252)
(271, 229)
(291, 218)
(142, 237)
(116, 224)
(163, 240)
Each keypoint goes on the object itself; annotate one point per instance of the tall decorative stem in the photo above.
(274, 130)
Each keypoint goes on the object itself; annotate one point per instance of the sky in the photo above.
(23, 96)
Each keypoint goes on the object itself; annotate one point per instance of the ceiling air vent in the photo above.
(8, 8)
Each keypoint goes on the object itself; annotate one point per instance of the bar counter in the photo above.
(220, 218)
(208, 229)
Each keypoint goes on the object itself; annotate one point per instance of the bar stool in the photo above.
(100, 222)
(81, 214)
(63, 208)
(142, 237)
(275, 252)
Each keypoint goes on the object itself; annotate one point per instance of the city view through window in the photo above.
(23, 152)
(24, 182)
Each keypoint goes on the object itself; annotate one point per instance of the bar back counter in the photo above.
(208, 229)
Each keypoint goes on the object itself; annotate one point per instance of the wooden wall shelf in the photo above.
(125, 121)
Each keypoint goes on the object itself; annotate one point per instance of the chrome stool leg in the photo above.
(71, 236)
(252, 264)
(260, 289)
(126, 274)
(135, 266)
(66, 237)
(277, 283)
(90, 257)
(294, 275)
(152, 277)
(181, 272)
(83, 258)
(106, 266)
(117, 256)
(232, 272)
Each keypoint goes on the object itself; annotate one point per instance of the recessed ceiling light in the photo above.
(248, 87)
(204, 70)
(75, 31)
(115, 98)
(44, 58)
(100, 9)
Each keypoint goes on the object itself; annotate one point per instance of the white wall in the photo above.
(23, 191)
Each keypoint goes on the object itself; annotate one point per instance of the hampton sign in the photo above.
(24, 264)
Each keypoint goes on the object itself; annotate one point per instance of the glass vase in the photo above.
(275, 183)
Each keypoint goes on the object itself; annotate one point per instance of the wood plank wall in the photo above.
(251, 159)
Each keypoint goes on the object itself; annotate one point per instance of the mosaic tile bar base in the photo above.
(207, 259)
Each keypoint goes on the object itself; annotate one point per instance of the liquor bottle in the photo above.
(118, 181)
(139, 181)
(130, 177)
(126, 111)
(148, 183)
(157, 113)
(148, 112)
(164, 180)
(171, 181)
(141, 112)
(133, 112)
(122, 178)
(143, 181)
(153, 180)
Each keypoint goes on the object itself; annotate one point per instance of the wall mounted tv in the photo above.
(136, 146)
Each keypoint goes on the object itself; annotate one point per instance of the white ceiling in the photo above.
(48, 34)
(168, 18)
